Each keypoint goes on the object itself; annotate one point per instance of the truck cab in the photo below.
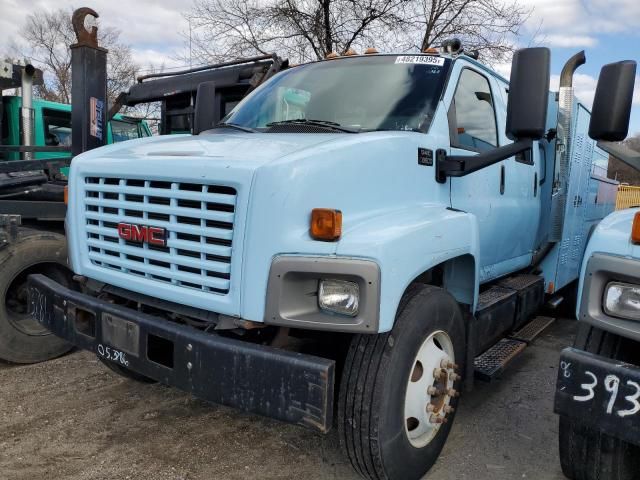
(598, 383)
(52, 127)
(396, 210)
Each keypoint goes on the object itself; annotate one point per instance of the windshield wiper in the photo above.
(235, 127)
(392, 130)
(320, 123)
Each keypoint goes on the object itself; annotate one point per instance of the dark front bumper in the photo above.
(285, 385)
(600, 393)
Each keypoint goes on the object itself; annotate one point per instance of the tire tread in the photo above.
(588, 454)
(357, 419)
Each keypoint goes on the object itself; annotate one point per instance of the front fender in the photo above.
(408, 241)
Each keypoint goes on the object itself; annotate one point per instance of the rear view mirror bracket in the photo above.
(461, 165)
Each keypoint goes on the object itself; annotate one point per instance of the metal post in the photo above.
(26, 112)
(88, 87)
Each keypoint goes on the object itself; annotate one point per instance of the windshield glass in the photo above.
(365, 93)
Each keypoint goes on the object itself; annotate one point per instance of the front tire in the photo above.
(22, 339)
(588, 454)
(386, 425)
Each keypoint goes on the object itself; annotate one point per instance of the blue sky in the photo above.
(608, 30)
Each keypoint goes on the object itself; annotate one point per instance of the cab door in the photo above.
(502, 196)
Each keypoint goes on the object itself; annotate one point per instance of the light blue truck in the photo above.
(349, 238)
(598, 388)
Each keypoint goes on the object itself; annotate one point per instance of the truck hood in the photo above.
(276, 180)
(245, 150)
(613, 235)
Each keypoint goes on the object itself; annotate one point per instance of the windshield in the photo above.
(365, 93)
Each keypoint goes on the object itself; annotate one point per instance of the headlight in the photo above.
(622, 300)
(339, 296)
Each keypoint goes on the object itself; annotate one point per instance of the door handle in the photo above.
(502, 174)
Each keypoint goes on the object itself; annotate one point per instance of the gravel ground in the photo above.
(72, 418)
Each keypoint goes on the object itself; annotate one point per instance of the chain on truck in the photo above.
(46, 135)
(351, 241)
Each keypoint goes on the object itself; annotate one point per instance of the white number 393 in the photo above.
(611, 384)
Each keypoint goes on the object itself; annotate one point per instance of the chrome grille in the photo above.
(198, 219)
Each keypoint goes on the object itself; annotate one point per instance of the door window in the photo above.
(472, 119)
(57, 127)
(121, 131)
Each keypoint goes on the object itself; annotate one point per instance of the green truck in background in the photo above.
(32, 211)
(52, 127)
(34, 162)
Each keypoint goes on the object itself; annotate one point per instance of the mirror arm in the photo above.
(622, 153)
(461, 165)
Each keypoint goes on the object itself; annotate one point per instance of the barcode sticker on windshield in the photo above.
(421, 59)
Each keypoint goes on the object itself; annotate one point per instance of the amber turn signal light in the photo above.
(66, 194)
(635, 229)
(326, 224)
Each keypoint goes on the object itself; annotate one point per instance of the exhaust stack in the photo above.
(563, 145)
(26, 111)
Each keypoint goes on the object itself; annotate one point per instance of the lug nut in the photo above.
(436, 419)
(449, 409)
(454, 377)
(452, 392)
(433, 391)
(438, 373)
(431, 407)
(444, 363)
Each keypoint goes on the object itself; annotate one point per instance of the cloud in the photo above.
(503, 69)
(152, 27)
(584, 87)
(580, 20)
(571, 41)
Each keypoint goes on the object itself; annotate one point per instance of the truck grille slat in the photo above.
(179, 228)
(193, 213)
(194, 247)
(198, 219)
(182, 260)
(161, 193)
(115, 262)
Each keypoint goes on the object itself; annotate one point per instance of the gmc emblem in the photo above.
(143, 234)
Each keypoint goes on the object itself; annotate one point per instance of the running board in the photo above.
(491, 363)
(532, 330)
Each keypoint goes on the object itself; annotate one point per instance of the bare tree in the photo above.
(309, 29)
(299, 29)
(47, 36)
(488, 26)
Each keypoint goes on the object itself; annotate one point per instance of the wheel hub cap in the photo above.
(430, 389)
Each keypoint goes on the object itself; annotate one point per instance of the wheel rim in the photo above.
(430, 389)
(15, 304)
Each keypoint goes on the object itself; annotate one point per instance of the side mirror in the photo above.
(612, 109)
(528, 94)
(206, 114)
(612, 103)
